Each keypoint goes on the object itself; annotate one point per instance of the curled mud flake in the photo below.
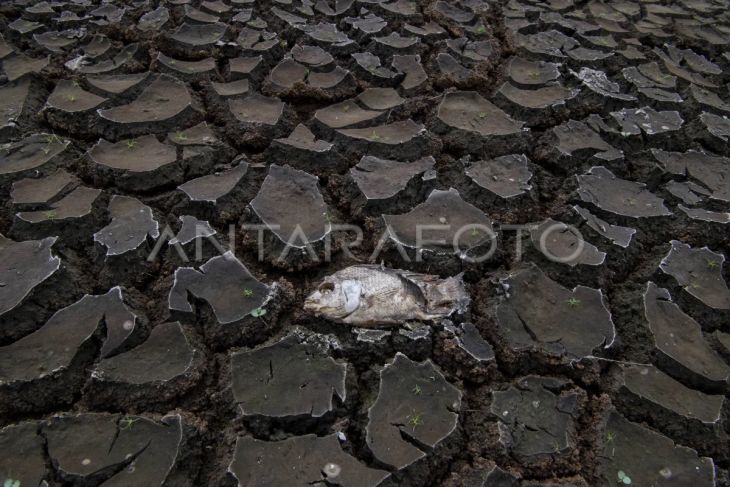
(188, 70)
(309, 460)
(716, 125)
(525, 72)
(410, 65)
(18, 65)
(601, 187)
(198, 35)
(162, 100)
(467, 110)
(290, 378)
(506, 176)
(68, 97)
(84, 444)
(538, 98)
(706, 215)
(368, 24)
(455, 227)
(30, 152)
(370, 295)
(212, 187)
(221, 282)
(164, 356)
(618, 235)
(123, 58)
(539, 423)
(538, 313)
(393, 134)
(598, 82)
(634, 121)
(77, 204)
(52, 347)
(154, 20)
(41, 190)
(402, 418)
(680, 343)
(132, 223)
(305, 219)
(191, 229)
(257, 109)
(302, 139)
(116, 83)
(559, 243)
(550, 42)
(13, 97)
(654, 388)
(709, 98)
(380, 179)
(712, 172)
(574, 136)
(326, 34)
(646, 457)
(23, 459)
(24, 265)
(472, 342)
(345, 114)
(699, 272)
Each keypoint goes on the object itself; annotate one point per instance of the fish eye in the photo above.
(326, 288)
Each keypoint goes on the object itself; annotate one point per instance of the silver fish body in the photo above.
(370, 295)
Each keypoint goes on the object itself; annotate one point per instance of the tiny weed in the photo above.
(623, 478)
(247, 293)
(52, 139)
(181, 136)
(327, 217)
(71, 98)
(283, 43)
(374, 136)
(131, 144)
(127, 423)
(50, 214)
(414, 420)
(482, 115)
(346, 108)
(534, 74)
(417, 390)
(712, 264)
(258, 312)
(482, 29)
(572, 302)
(474, 232)
(11, 483)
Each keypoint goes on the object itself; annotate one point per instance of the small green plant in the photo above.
(694, 285)
(415, 420)
(327, 217)
(534, 74)
(75, 83)
(417, 390)
(50, 214)
(482, 115)
(283, 43)
(181, 136)
(374, 136)
(258, 312)
(610, 436)
(482, 29)
(11, 483)
(346, 108)
(631, 201)
(52, 139)
(573, 302)
(127, 423)
(623, 478)
(712, 264)
(71, 98)
(247, 293)
(131, 144)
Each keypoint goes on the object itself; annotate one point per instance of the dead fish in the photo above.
(368, 295)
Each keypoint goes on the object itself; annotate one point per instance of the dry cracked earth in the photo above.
(130, 128)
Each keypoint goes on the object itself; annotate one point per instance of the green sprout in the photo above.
(52, 139)
(482, 29)
(414, 420)
(623, 478)
(712, 264)
(346, 108)
(131, 143)
(534, 74)
(482, 115)
(247, 293)
(327, 217)
(610, 436)
(283, 43)
(128, 422)
(474, 232)
(573, 302)
(50, 214)
(694, 285)
(71, 98)
(258, 312)
(181, 136)
(11, 483)
(374, 136)
(417, 390)
(631, 201)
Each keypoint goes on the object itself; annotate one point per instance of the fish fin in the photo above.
(417, 284)
(352, 290)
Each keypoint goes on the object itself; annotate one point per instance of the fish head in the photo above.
(334, 299)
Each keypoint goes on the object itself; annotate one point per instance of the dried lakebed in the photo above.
(240, 243)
